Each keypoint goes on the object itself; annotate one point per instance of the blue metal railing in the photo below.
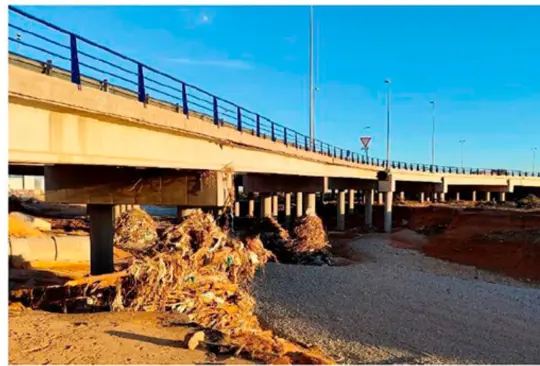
(88, 59)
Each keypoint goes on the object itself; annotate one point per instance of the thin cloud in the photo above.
(230, 64)
(290, 39)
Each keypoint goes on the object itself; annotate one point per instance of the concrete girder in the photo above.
(112, 185)
(268, 183)
(341, 184)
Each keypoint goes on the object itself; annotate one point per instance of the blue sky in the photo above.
(480, 64)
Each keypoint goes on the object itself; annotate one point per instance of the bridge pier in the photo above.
(275, 206)
(457, 197)
(388, 211)
(288, 209)
(421, 197)
(101, 238)
(380, 198)
(488, 196)
(502, 196)
(369, 196)
(341, 211)
(310, 202)
(251, 205)
(473, 199)
(351, 201)
(442, 197)
(266, 205)
(299, 202)
(402, 196)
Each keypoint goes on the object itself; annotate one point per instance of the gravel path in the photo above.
(398, 306)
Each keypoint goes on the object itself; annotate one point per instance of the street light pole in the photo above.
(387, 82)
(534, 157)
(461, 142)
(311, 88)
(433, 133)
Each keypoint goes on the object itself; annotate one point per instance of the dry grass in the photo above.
(135, 230)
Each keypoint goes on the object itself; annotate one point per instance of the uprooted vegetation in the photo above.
(530, 202)
(193, 269)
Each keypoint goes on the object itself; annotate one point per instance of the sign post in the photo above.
(365, 140)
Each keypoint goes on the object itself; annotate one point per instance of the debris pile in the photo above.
(196, 271)
(530, 202)
(135, 230)
(310, 243)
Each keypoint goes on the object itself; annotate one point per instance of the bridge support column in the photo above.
(299, 202)
(251, 206)
(287, 209)
(388, 212)
(236, 209)
(442, 197)
(351, 201)
(502, 196)
(310, 203)
(369, 196)
(402, 196)
(473, 196)
(435, 196)
(275, 206)
(457, 197)
(341, 211)
(488, 196)
(421, 197)
(380, 198)
(266, 205)
(101, 238)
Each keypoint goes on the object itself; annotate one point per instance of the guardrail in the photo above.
(87, 59)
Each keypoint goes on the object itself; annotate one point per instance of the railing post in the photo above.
(216, 114)
(296, 139)
(184, 100)
(335, 152)
(306, 146)
(239, 119)
(75, 70)
(142, 93)
(272, 127)
(258, 125)
(285, 135)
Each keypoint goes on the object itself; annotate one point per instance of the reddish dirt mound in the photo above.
(499, 241)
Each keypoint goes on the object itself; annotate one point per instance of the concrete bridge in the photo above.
(106, 145)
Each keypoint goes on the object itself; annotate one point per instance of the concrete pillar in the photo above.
(251, 206)
(421, 197)
(275, 206)
(369, 196)
(299, 202)
(237, 209)
(473, 196)
(287, 209)
(380, 198)
(457, 196)
(310, 202)
(488, 196)
(402, 196)
(341, 211)
(502, 196)
(442, 197)
(351, 201)
(388, 212)
(266, 205)
(435, 196)
(101, 238)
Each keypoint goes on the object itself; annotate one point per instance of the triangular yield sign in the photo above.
(365, 141)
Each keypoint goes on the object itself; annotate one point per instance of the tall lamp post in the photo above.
(388, 83)
(311, 86)
(432, 102)
(534, 156)
(461, 142)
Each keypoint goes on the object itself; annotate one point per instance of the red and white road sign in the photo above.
(365, 141)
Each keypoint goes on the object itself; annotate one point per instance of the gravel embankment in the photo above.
(398, 306)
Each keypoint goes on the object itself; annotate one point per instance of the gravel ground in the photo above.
(398, 306)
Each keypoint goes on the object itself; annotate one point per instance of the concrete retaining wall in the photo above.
(58, 248)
